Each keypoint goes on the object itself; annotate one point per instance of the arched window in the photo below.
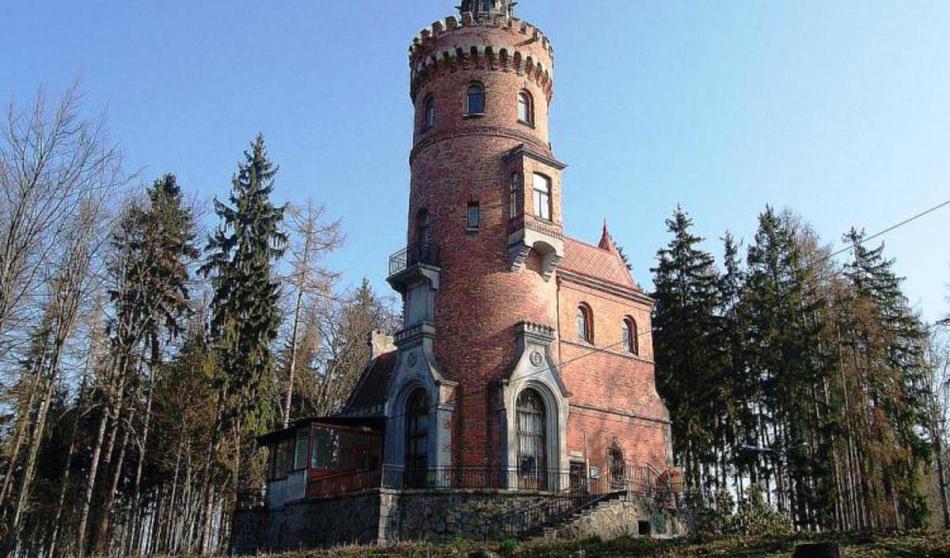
(630, 334)
(428, 115)
(525, 108)
(542, 197)
(417, 438)
(476, 99)
(616, 466)
(532, 455)
(585, 324)
(423, 227)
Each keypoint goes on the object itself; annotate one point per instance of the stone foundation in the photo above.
(308, 524)
(377, 516)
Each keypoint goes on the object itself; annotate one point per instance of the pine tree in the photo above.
(689, 361)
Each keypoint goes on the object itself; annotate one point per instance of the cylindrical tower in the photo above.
(484, 212)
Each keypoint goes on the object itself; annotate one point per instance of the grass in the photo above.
(863, 545)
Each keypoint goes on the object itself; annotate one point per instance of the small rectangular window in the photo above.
(302, 451)
(474, 215)
(542, 197)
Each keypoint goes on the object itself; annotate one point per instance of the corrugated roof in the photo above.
(597, 263)
(371, 390)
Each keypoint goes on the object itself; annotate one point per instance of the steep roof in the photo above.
(370, 391)
(603, 264)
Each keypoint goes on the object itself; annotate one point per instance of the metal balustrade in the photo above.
(426, 253)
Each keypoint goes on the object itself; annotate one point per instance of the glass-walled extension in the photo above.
(322, 457)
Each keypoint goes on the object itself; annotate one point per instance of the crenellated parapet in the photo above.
(492, 42)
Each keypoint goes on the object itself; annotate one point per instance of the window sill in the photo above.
(474, 115)
(471, 230)
(526, 123)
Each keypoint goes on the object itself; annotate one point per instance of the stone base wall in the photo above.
(630, 516)
(384, 516)
(308, 524)
(443, 516)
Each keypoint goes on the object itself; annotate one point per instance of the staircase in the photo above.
(552, 529)
(544, 518)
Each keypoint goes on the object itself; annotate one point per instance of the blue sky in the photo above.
(838, 110)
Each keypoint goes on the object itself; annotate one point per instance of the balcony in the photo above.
(414, 264)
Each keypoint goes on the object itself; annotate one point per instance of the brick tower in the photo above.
(484, 273)
(524, 366)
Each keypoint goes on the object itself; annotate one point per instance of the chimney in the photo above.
(380, 342)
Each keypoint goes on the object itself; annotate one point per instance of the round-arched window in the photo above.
(585, 324)
(525, 108)
(630, 344)
(476, 99)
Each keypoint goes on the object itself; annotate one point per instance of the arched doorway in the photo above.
(417, 439)
(532, 441)
(617, 467)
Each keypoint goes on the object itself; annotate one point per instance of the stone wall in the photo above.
(443, 516)
(308, 524)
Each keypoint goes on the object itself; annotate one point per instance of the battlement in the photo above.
(495, 42)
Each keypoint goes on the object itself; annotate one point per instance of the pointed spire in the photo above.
(607, 241)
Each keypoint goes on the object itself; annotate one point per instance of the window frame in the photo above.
(585, 323)
(526, 99)
(514, 195)
(469, 224)
(542, 198)
(469, 93)
(630, 334)
(428, 113)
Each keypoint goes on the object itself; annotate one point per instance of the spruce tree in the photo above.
(688, 361)
(893, 340)
(245, 307)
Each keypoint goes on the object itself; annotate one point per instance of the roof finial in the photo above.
(607, 241)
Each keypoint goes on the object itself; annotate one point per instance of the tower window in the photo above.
(474, 215)
(428, 115)
(542, 197)
(514, 195)
(476, 99)
(629, 340)
(525, 108)
(423, 227)
(585, 324)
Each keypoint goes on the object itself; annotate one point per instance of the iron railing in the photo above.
(644, 481)
(474, 478)
(416, 253)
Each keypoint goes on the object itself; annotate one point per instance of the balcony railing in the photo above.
(638, 480)
(416, 253)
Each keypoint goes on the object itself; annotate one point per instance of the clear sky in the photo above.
(838, 110)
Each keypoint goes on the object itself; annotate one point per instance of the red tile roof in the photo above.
(597, 263)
